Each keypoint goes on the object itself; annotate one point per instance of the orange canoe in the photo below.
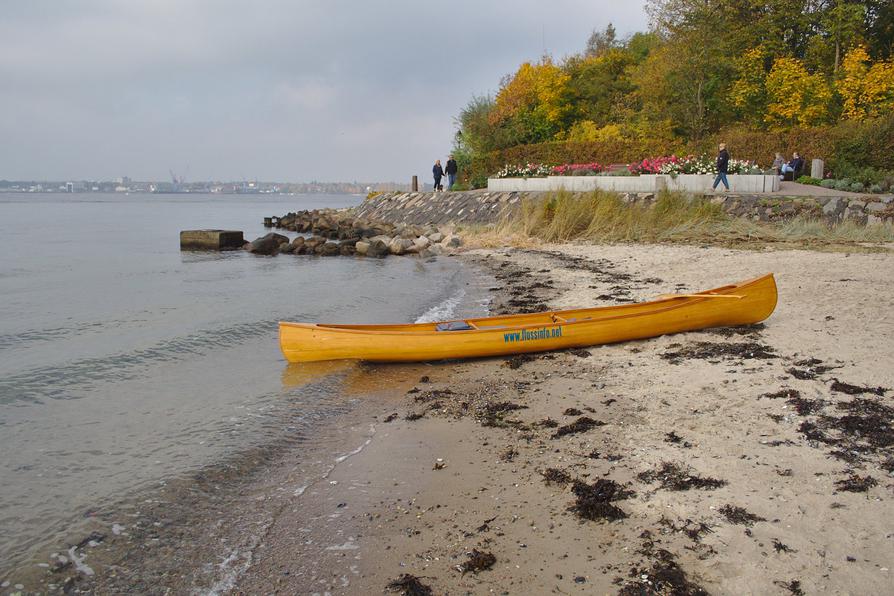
(743, 303)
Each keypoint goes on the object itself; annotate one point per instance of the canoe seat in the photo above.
(454, 326)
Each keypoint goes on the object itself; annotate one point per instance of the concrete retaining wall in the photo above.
(643, 183)
(486, 207)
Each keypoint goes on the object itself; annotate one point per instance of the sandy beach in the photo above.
(729, 469)
(730, 461)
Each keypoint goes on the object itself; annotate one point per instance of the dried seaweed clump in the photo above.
(478, 561)
(739, 515)
(409, 585)
(582, 424)
(675, 477)
(593, 501)
(556, 476)
(664, 577)
(705, 350)
(856, 484)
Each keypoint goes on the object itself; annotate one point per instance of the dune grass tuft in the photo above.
(604, 217)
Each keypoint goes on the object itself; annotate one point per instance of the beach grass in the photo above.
(601, 217)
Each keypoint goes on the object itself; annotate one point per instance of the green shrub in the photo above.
(828, 183)
(843, 184)
(857, 187)
(876, 189)
(809, 180)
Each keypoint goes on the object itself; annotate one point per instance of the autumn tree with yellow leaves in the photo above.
(866, 89)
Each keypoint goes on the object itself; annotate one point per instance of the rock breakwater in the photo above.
(343, 233)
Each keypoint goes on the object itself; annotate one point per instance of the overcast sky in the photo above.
(272, 90)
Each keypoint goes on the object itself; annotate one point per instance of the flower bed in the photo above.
(531, 170)
(578, 169)
(673, 165)
(670, 165)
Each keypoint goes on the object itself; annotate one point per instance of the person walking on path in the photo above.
(450, 170)
(722, 165)
(438, 173)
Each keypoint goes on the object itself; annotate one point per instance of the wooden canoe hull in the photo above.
(514, 334)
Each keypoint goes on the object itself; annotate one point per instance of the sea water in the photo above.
(124, 361)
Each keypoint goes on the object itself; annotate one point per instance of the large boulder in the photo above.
(346, 249)
(421, 243)
(399, 246)
(436, 237)
(362, 247)
(329, 249)
(377, 249)
(268, 244)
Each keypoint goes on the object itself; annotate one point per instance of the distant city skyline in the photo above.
(283, 90)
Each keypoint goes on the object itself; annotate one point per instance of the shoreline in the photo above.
(474, 459)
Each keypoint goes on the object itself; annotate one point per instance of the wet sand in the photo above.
(728, 461)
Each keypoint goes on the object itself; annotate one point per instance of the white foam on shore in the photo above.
(446, 309)
(342, 458)
(301, 489)
(79, 561)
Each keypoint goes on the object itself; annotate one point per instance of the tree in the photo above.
(866, 89)
(748, 93)
(601, 41)
(532, 105)
(794, 96)
(597, 84)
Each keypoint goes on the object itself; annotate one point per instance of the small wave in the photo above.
(58, 382)
(444, 310)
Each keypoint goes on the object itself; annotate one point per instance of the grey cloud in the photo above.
(280, 90)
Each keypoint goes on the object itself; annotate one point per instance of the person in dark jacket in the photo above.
(451, 170)
(722, 166)
(438, 173)
(794, 166)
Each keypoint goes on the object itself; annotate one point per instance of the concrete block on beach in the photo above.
(211, 240)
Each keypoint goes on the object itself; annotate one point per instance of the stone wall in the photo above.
(484, 207)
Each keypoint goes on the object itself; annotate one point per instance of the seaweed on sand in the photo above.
(518, 360)
(849, 389)
(556, 476)
(856, 484)
(478, 561)
(664, 577)
(491, 413)
(582, 424)
(409, 585)
(593, 501)
(572, 412)
(675, 477)
(705, 350)
(739, 515)
(793, 587)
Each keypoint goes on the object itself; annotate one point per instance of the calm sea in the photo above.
(124, 362)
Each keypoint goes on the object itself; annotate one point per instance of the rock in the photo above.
(268, 245)
(346, 249)
(328, 249)
(452, 241)
(362, 247)
(833, 206)
(421, 243)
(377, 249)
(399, 246)
(876, 207)
(436, 238)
